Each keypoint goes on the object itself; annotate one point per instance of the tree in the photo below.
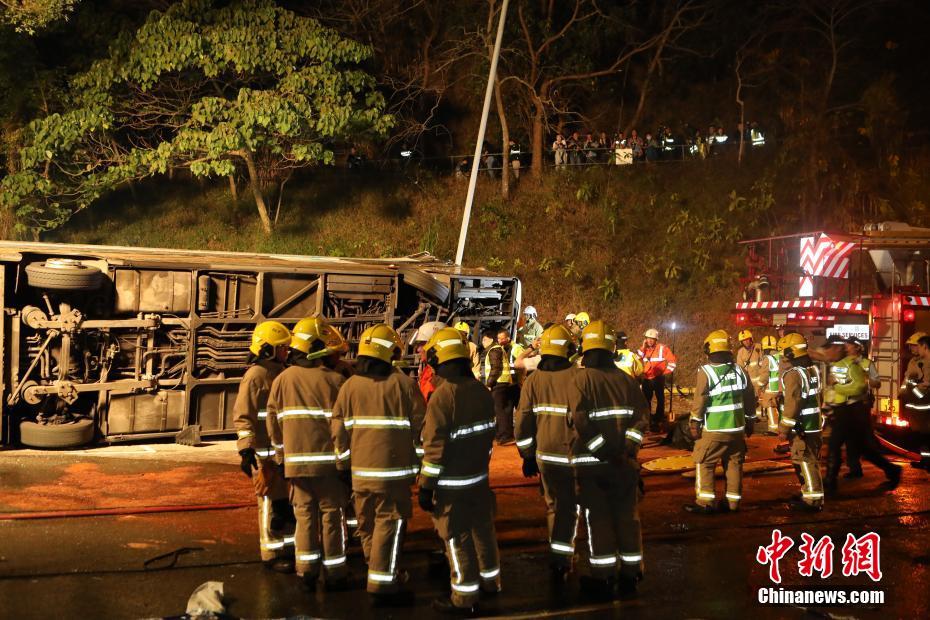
(30, 16)
(207, 86)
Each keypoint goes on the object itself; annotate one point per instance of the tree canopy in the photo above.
(207, 86)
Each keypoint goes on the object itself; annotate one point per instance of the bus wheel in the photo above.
(68, 435)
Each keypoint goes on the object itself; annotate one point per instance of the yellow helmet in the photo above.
(582, 319)
(793, 345)
(447, 344)
(597, 335)
(558, 341)
(915, 337)
(744, 334)
(271, 333)
(769, 343)
(335, 342)
(463, 327)
(717, 341)
(308, 331)
(380, 342)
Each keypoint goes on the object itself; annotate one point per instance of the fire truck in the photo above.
(119, 343)
(873, 284)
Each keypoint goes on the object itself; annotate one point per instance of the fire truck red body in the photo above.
(874, 284)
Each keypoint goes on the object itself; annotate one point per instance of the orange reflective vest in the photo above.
(657, 360)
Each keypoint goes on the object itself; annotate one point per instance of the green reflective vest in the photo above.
(774, 385)
(506, 372)
(725, 383)
(809, 416)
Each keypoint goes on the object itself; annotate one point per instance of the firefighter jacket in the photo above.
(772, 373)
(847, 382)
(457, 435)
(629, 362)
(375, 422)
(724, 399)
(250, 413)
(800, 386)
(610, 416)
(542, 428)
(913, 376)
(497, 367)
(752, 361)
(300, 409)
(657, 360)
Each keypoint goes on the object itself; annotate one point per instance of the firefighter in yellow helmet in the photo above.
(544, 437)
(722, 416)
(299, 410)
(338, 347)
(376, 419)
(610, 416)
(465, 329)
(770, 394)
(457, 438)
(627, 360)
(801, 421)
(267, 354)
(914, 373)
(749, 357)
(582, 320)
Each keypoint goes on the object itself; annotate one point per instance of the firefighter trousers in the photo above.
(850, 425)
(805, 456)
(729, 449)
(562, 511)
(464, 520)
(769, 403)
(382, 516)
(609, 498)
(273, 543)
(319, 505)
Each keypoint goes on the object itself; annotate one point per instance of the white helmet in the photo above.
(426, 331)
(570, 316)
(652, 333)
(530, 311)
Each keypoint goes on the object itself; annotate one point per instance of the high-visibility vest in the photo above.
(809, 415)
(774, 386)
(629, 362)
(506, 370)
(725, 383)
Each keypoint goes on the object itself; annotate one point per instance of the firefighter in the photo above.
(749, 357)
(543, 437)
(846, 400)
(299, 410)
(658, 363)
(582, 319)
(498, 377)
(377, 415)
(626, 360)
(770, 394)
(800, 422)
(267, 354)
(338, 347)
(918, 406)
(722, 416)
(610, 415)
(458, 436)
(531, 329)
(856, 348)
(463, 327)
(914, 373)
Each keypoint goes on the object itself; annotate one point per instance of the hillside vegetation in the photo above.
(640, 246)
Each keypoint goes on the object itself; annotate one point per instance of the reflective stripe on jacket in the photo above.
(250, 408)
(541, 424)
(657, 360)
(774, 382)
(502, 359)
(300, 410)
(801, 388)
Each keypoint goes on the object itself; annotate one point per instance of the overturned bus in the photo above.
(117, 343)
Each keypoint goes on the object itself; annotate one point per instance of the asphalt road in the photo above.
(70, 566)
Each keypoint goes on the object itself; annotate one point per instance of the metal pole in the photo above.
(473, 179)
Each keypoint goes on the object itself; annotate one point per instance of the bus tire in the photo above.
(72, 434)
(63, 275)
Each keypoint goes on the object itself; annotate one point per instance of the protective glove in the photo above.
(530, 468)
(249, 462)
(426, 498)
(750, 428)
(695, 429)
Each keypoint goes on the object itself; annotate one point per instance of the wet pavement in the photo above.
(70, 564)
